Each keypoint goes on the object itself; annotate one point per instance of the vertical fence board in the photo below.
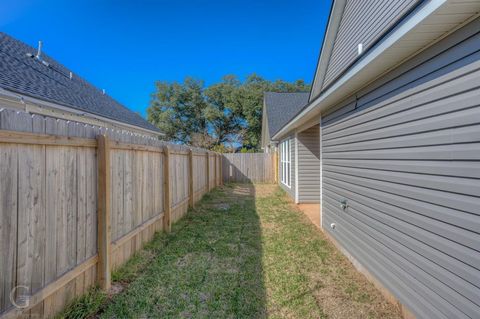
(52, 162)
(31, 217)
(166, 173)
(63, 205)
(61, 212)
(145, 190)
(117, 193)
(150, 191)
(161, 186)
(81, 252)
(8, 221)
(91, 207)
(191, 201)
(127, 194)
(71, 205)
(248, 167)
(137, 187)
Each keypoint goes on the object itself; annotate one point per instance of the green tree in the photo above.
(177, 110)
(248, 100)
(224, 118)
(218, 117)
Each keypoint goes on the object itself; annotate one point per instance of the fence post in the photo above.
(167, 220)
(190, 182)
(103, 213)
(208, 172)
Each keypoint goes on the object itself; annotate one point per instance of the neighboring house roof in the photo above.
(26, 75)
(282, 107)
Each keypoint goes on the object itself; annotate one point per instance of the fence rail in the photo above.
(77, 201)
(249, 167)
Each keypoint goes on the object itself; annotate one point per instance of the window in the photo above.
(285, 162)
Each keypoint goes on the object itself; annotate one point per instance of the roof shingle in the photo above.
(282, 107)
(25, 75)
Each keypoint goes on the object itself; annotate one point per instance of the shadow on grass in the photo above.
(209, 266)
(240, 242)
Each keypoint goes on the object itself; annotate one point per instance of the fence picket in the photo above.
(248, 167)
(79, 203)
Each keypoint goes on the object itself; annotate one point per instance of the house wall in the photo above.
(309, 165)
(290, 190)
(406, 157)
(375, 18)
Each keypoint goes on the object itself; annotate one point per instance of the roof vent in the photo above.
(39, 51)
(39, 55)
(360, 48)
(103, 91)
(71, 75)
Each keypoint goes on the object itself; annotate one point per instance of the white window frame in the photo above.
(286, 163)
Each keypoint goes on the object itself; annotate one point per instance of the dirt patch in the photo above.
(116, 288)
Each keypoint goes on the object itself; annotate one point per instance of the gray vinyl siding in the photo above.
(363, 21)
(309, 165)
(406, 157)
(290, 190)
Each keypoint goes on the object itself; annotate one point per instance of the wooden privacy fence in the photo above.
(77, 201)
(249, 167)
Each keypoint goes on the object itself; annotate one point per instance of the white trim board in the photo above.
(296, 168)
(336, 14)
(321, 173)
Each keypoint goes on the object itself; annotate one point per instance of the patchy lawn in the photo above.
(244, 252)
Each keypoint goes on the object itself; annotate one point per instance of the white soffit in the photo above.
(427, 25)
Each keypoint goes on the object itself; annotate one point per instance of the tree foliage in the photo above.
(222, 116)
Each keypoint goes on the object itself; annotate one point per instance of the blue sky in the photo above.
(124, 46)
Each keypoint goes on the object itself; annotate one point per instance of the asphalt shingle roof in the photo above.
(25, 75)
(282, 107)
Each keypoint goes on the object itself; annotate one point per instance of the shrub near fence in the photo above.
(77, 201)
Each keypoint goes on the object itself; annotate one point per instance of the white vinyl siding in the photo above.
(286, 162)
(308, 159)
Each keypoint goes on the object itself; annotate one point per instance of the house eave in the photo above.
(35, 105)
(410, 37)
(333, 25)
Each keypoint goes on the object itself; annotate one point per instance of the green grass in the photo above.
(85, 306)
(238, 256)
